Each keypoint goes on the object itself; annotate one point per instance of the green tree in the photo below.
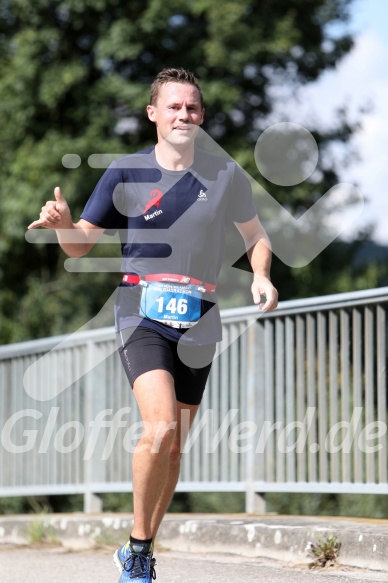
(74, 78)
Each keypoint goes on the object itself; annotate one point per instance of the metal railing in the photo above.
(296, 402)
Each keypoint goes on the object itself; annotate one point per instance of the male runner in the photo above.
(171, 205)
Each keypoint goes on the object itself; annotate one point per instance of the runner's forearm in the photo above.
(74, 240)
(260, 256)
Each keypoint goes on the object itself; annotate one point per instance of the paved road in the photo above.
(54, 565)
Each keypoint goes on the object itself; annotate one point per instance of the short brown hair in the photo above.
(173, 76)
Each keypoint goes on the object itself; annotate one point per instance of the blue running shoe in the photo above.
(135, 567)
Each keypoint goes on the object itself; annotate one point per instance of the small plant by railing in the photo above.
(324, 553)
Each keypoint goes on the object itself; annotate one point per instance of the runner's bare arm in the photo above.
(76, 239)
(259, 253)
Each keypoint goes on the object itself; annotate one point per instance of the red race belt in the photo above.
(169, 278)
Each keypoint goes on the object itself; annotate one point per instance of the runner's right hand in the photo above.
(54, 214)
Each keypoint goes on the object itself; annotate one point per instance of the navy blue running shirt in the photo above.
(171, 222)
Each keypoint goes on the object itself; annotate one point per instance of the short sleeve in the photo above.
(241, 207)
(100, 209)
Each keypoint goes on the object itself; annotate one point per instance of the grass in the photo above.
(324, 553)
(108, 540)
(40, 532)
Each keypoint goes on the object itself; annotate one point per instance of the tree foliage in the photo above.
(74, 78)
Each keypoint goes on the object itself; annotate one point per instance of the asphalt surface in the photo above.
(48, 565)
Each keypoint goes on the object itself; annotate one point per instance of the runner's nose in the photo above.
(183, 114)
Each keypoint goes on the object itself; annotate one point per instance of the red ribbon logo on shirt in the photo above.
(156, 196)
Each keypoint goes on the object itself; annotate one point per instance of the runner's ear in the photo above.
(151, 112)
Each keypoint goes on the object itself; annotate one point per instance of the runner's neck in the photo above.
(172, 158)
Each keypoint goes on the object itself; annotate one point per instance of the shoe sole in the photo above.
(117, 561)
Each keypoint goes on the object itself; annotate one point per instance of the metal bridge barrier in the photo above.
(296, 402)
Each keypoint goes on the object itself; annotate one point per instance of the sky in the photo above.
(361, 79)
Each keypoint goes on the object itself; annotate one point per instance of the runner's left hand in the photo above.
(262, 286)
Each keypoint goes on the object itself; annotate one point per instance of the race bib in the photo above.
(177, 305)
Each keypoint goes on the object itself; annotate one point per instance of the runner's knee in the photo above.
(158, 437)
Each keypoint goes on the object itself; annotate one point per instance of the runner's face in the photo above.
(177, 113)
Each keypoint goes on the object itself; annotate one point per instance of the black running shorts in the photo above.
(144, 349)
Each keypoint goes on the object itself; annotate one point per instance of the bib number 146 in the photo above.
(173, 306)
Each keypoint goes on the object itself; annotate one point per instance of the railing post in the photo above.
(92, 503)
(254, 501)
(92, 500)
